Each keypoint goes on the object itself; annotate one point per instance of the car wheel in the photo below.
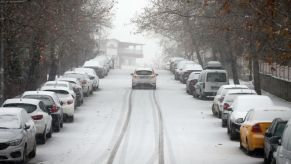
(42, 138)
(57, 127)
(248, 151)
(33, 152)
(213, 110)
(232, 134)
(49, 135)
(71, 118)
(223, 123)
(24, 156)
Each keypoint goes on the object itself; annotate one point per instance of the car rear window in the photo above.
(28, 107)
(59, 91)
(216, 77)
(57, 84)
(144, 72)
(270, 115)
(47, 100)
(9, 121)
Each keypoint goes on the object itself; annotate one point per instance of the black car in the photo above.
(272, 137)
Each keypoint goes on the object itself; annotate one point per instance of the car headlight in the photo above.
(15, 142)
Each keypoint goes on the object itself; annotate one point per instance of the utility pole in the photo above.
(3, 3)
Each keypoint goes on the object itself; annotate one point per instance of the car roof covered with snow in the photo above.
(143, 69)
(247, 102)
(22, 101)
(53, 88)
(11, 110)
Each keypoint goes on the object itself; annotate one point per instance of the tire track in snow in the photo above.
(161, 129)
(123, 131)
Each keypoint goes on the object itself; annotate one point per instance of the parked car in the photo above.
(77, 87)
(180, 67)
(94, 64)
(92, 74)
(255, 124)
(87, 85)
(228, 100)
(283, 153)
(238, 110)
(17, 135)
(218, 99)
(52, 102)
(209, 82)
(187, 70)
(37, 110)
(144, 77)
(272, 136)
(67, 101)
(191, 81)
(175, 64)
(173, 61)
(61, 84)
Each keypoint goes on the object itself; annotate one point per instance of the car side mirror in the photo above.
(62, 103)
(275, 140)
(240, 120)
(268, 134)
(26, 126)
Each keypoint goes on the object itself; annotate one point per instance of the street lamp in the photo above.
(2, 19)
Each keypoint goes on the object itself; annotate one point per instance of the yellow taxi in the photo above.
(255, 124)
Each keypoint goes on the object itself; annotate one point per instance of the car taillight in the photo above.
(225, 106)
(256, 128)
(70, 102)
(54, 109)
(37, 117)
(84, 82)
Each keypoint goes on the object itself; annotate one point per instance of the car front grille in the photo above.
(3, 146)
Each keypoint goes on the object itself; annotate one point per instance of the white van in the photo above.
(209, 82)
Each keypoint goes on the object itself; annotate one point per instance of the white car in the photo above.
(93, 76)
(144, 77)
(17, 135)
(58, 83)
(239, 109)
(228, 100)
(180, 67)
(67, 100)
(37, 110)
(77, 87)
(52, 102)
(87, 84)
(217, 101)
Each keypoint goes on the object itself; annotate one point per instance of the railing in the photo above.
(276, 70)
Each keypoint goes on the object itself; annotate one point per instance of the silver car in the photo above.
(145, 77)
(17, 135)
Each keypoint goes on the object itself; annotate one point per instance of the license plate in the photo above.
(214, 87)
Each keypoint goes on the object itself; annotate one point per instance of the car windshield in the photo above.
(216, 77)
(28, 107)
(9, 121)
(144, 72)
(46, 99)
(74, 75)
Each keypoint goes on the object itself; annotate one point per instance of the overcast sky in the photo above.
(123, 30)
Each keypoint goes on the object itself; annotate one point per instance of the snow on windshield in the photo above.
(9, 121)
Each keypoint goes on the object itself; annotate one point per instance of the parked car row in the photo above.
(252, 119)
(35, 115)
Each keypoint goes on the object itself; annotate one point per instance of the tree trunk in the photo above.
(53, 65)
(232, 60)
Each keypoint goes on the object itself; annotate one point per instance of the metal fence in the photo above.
(276, 70)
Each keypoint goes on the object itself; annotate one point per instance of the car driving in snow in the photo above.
(144, 77)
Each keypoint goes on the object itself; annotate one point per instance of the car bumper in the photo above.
(40, 126)
(69, 109)
(209, 93)
(256, 141)
(12, 153)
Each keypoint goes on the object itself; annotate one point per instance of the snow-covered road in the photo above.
(123, 126)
